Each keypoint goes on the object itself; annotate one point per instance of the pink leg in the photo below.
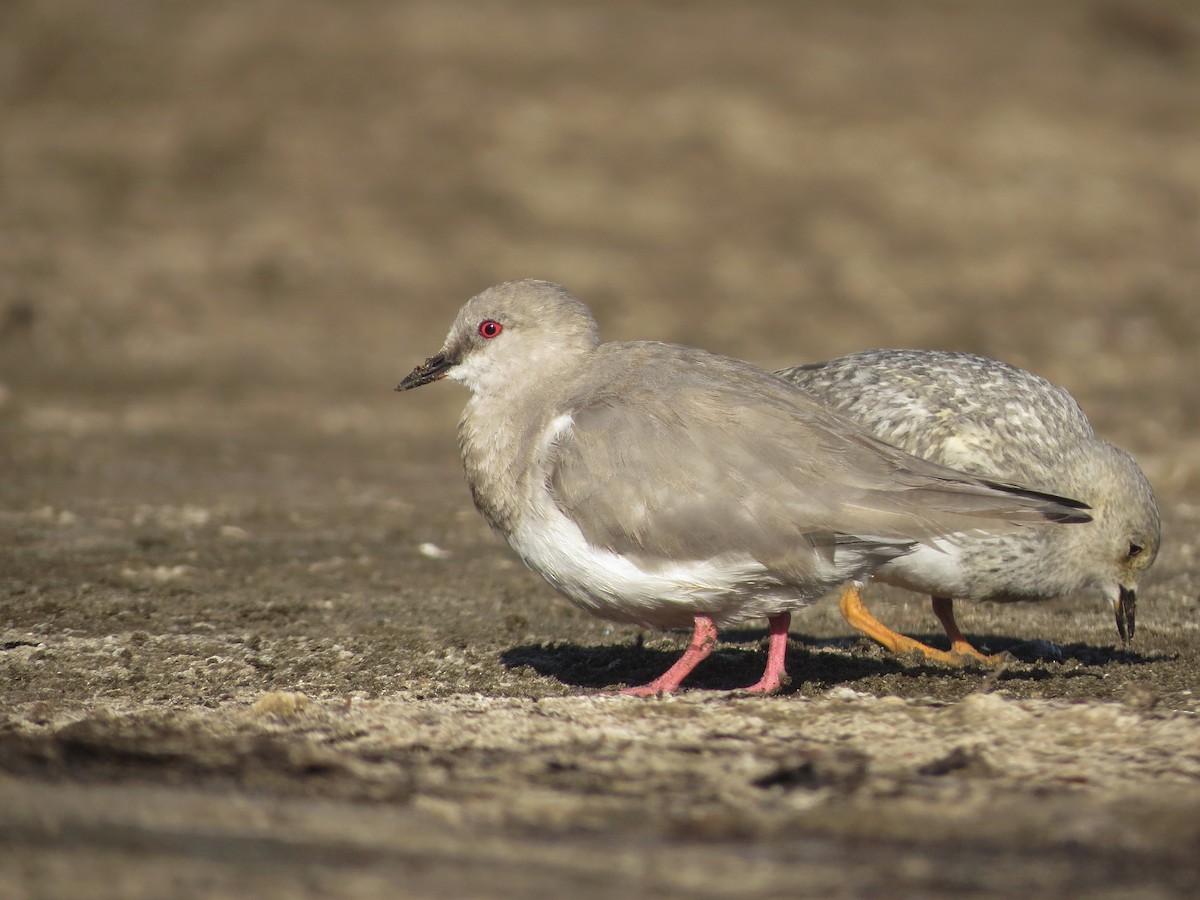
(773, 677)
(704, 638)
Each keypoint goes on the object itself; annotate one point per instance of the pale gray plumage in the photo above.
(653, 483)
(998, 421)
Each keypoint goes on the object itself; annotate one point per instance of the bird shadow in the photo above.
(728, 668)
(1024, 650)
(812, 661)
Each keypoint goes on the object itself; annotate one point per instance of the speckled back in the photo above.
(958, 409)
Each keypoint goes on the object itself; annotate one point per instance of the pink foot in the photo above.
(774, 675)
(704, 638)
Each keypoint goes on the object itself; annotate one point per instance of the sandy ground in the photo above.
(255, 641)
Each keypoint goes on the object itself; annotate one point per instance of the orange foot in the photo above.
(961, 652)
(943, 608)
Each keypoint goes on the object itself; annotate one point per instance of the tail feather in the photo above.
(1063, 510)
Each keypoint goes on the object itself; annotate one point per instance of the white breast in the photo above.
(936, 570)
(666, 594)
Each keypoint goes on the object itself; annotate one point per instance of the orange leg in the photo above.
(943, 608)
(856, 613)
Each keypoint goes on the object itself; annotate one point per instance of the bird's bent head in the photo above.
(1130, 528)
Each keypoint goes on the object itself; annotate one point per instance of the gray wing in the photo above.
(746, 464)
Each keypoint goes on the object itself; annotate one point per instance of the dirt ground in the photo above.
(255, 641)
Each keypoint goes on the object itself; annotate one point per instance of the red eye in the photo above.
(489, 328)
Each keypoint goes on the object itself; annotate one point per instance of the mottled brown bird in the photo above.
(996, 421)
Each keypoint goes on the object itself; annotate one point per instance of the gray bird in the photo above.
(665, 486)
(996, 421)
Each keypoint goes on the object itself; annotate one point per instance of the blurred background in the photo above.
(265, 211)
(229, 228)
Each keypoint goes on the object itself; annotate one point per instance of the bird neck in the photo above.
(502, 436)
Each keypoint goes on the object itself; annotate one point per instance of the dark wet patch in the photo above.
(842, 770)
(162, 749)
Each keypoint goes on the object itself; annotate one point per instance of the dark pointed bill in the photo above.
(432, 369)
(1126, 612)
